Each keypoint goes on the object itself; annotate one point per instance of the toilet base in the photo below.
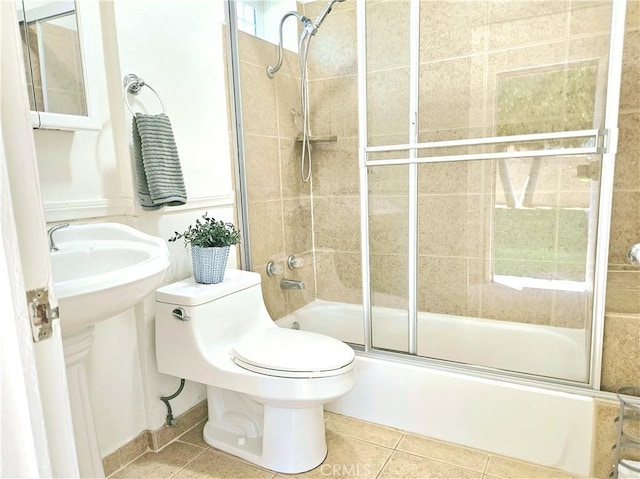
(288, 440)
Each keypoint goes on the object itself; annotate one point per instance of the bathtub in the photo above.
(530, 423)
(536, 349)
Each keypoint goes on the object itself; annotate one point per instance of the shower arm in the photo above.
(271, 71)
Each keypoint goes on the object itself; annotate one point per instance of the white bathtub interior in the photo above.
(541, 350)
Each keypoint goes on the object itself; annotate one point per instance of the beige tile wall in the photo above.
(460, 56)
(63, 69)
(279, 203)
(32, 70)
(336, 193)
(471, 42)
(621, 356)
(606, 413)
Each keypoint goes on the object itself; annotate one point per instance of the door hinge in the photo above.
(41, 313)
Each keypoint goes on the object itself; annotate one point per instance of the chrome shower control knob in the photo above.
(274, 269)
(634, 255)
(295, 261)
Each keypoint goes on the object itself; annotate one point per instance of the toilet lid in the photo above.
(293, 353)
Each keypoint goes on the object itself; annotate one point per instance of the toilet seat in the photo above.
(293, 354)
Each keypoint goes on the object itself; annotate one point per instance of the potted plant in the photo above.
(210, 241)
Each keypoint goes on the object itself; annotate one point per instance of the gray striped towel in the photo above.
(158, 171)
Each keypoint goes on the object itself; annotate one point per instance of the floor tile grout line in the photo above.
(385, 464)
(122, 466)
(402, 436)
(526, 464)
(192, 444)
(456, 446)
(362, 421)
(466, 468)
(242, 460)
(364, 440)
(189, 462)
(156, 451)
(486, 465)
(449, 444)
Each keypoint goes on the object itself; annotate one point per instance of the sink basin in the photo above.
(102, 270)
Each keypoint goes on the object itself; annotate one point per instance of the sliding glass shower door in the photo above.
(487, 147)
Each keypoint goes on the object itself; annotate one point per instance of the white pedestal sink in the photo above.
(99, 271)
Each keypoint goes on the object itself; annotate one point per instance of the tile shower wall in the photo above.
(621, 356)
(450, 246)
(460, 75)
(578, 28)
(335, 183)
(581, 27)
(279, 202)
(455, 285)
(336, 193)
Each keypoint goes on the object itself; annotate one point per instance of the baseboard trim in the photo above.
(149, 440)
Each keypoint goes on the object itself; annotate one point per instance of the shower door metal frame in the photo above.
(237, 133)
(612, 109)
(603, 142)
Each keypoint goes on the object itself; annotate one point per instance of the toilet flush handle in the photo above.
(180, 314)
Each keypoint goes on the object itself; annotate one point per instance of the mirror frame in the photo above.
(86, 16)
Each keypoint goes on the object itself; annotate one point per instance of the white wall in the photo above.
(80, 170)
(177, 47)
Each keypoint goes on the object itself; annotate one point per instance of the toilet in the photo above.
(266, 385)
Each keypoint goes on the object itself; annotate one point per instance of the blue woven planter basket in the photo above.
(209, 264)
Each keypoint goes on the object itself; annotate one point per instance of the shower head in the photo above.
(323, 13)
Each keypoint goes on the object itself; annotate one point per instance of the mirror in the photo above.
(54, 64)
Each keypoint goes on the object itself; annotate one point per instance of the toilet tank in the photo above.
(217, 316)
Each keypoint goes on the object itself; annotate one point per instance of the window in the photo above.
(247, 14)
(261, 19)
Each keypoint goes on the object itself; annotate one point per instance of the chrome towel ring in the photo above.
(133, 84)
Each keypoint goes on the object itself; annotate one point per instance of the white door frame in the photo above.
(21, 454)
(37, 433)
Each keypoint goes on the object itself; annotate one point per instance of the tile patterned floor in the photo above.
(357, 449)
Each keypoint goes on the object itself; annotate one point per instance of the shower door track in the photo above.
(602, 141)
(486, 373)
